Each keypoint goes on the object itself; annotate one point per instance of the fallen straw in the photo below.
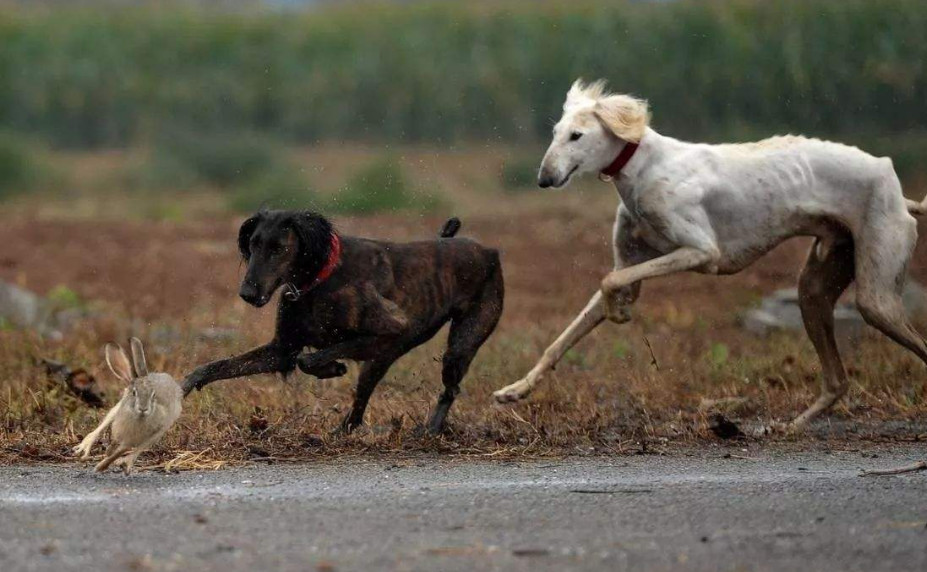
(919, 466)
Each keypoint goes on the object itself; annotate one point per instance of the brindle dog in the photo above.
(359, 299)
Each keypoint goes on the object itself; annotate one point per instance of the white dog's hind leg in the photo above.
(882, 258)
(824, 278)
(591, 316)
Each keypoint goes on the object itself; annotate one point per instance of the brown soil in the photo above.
(608, 392)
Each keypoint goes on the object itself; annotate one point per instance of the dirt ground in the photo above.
(625, 385)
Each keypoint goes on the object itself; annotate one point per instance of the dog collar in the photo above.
(334, 256)
(620, 161)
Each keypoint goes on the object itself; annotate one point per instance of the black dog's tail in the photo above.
(450, 228)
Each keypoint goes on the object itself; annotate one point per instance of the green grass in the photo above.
(252, 170)
(283, 187)
(22, 165)
(184, 158)
(380, 186)
(63, 297)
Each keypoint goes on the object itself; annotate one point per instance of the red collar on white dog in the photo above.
(334, 256)
(621, 160)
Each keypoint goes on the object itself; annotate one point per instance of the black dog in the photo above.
(359, 299)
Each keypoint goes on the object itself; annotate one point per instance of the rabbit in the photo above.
(148, 407)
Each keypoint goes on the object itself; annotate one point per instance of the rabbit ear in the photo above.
(118, 362)
(138, 358)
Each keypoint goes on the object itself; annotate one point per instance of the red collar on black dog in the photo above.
(334, 256)
(621, 160)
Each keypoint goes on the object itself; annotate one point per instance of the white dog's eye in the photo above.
(575, 136)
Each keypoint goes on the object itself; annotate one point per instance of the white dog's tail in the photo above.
(917, 208)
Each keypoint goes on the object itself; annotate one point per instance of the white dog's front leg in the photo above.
(685, 258)
(591, 316)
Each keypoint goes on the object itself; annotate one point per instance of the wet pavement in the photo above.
(718, 509)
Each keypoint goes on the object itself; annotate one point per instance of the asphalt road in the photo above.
(697, 511)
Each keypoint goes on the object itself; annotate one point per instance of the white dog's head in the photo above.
(594, 128)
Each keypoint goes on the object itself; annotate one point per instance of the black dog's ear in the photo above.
(244, 235)
(314, 234)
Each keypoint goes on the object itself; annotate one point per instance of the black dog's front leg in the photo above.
(271, 358)
(321, 360)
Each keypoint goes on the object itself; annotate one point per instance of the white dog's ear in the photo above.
(625, 116)
(118, 362)
(583, 93)
(574, 95)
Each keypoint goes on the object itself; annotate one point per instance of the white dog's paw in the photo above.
(512, 393)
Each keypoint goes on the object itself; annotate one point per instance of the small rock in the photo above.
(780, 311)
(724, 428)
(313, 441)
(26, 309)
(530, 552)
(23, 308)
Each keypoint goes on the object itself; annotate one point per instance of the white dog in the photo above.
(715, 209)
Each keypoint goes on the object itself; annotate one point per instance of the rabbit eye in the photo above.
(575, 136)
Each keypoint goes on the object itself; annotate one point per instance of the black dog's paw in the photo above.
(310, 365)
(330, 370)
(190, 383)
(307, 362)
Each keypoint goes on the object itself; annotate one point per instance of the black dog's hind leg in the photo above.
(271, 358)
(468, 332)
(310, 362)
(327, 370)
(370, 375)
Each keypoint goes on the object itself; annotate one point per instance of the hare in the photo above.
(148, 407)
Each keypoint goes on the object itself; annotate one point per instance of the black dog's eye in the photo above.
(575, 136)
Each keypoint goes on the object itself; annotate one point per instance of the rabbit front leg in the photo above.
(128, 462)
(117, 452)
(83, 449)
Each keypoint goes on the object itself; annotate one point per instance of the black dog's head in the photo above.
(281, 247)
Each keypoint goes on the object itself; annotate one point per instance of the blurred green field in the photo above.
(188, 104)
(449, 71)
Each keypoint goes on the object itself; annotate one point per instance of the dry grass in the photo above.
(168, 281)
